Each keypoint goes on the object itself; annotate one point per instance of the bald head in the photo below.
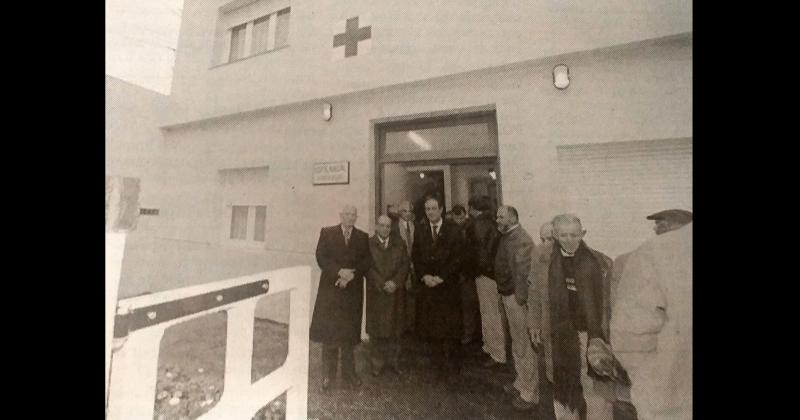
(406, 211)
(383, 226)
(348, 216)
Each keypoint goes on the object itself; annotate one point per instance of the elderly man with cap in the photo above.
(665, 221)
(651, 326)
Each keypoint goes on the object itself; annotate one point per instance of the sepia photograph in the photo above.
(374, 209)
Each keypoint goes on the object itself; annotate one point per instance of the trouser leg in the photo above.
(469, 308)
(597, 407)
(393, 351)
(525, 360)
(452, 354)
(494, 337)
(330, 354)
(377, 352)
(411, 306)
(348, 361)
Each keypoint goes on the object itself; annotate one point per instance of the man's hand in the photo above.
(536, 337)
(437, 280)
(428, 280)
(520, 301)
(347, 273)
(600, 357)
(390, 286)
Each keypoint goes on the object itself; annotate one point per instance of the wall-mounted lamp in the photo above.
(561, 76)
(327, 111)
(422, 175)
(493, 174)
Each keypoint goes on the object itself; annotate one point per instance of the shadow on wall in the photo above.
(153, 264)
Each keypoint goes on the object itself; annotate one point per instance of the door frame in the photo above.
(379, 127)
(447, 187)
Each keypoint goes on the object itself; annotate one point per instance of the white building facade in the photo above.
(397, 98)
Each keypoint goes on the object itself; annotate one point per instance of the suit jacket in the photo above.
(440, 306)
(408, 240)
(385, 311)
(337, 312)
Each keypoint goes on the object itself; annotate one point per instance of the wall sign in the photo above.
(327, 173)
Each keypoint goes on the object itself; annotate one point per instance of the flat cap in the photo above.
(672, 215)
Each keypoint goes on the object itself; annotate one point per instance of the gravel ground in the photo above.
(191, 369)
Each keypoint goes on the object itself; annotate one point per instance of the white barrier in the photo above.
(134, 366)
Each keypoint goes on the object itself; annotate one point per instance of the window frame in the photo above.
(249, 241)
(225, 57)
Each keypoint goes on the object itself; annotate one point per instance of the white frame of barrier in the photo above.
(134, 366)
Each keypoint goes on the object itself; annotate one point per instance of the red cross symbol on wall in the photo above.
(351, 36)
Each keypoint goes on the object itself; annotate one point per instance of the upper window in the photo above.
(248, 28)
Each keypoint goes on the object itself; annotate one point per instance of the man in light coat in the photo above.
(512, 267)
(651, 325)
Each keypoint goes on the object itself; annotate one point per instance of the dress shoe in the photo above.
(522, 405)
(326, 383)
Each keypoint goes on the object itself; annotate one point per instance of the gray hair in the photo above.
(512, 211)
(565, 219)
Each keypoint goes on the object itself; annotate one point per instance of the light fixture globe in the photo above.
(327, 111)
(561, 76)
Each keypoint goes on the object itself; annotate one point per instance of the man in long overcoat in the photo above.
(436, 256)
(343, 255)
(386, 296)
(568, 315)
(651, 325)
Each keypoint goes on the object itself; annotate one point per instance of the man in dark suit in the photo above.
(386, 297)
(436, 259)
(344, 257)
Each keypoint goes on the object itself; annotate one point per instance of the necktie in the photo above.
(346, 237)
(408, 238)
(435, 233)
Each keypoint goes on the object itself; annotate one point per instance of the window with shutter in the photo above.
(614, 186)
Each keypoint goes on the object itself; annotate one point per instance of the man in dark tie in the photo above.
(386, 297)
(406, 229)
(436, 262)
(344, 257)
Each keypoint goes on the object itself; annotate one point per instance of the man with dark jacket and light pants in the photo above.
(512, 265)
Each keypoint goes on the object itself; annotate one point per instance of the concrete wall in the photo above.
(411, 40)
(632, 93)
(133, 140)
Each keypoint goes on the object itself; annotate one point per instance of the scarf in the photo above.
(564, 333)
